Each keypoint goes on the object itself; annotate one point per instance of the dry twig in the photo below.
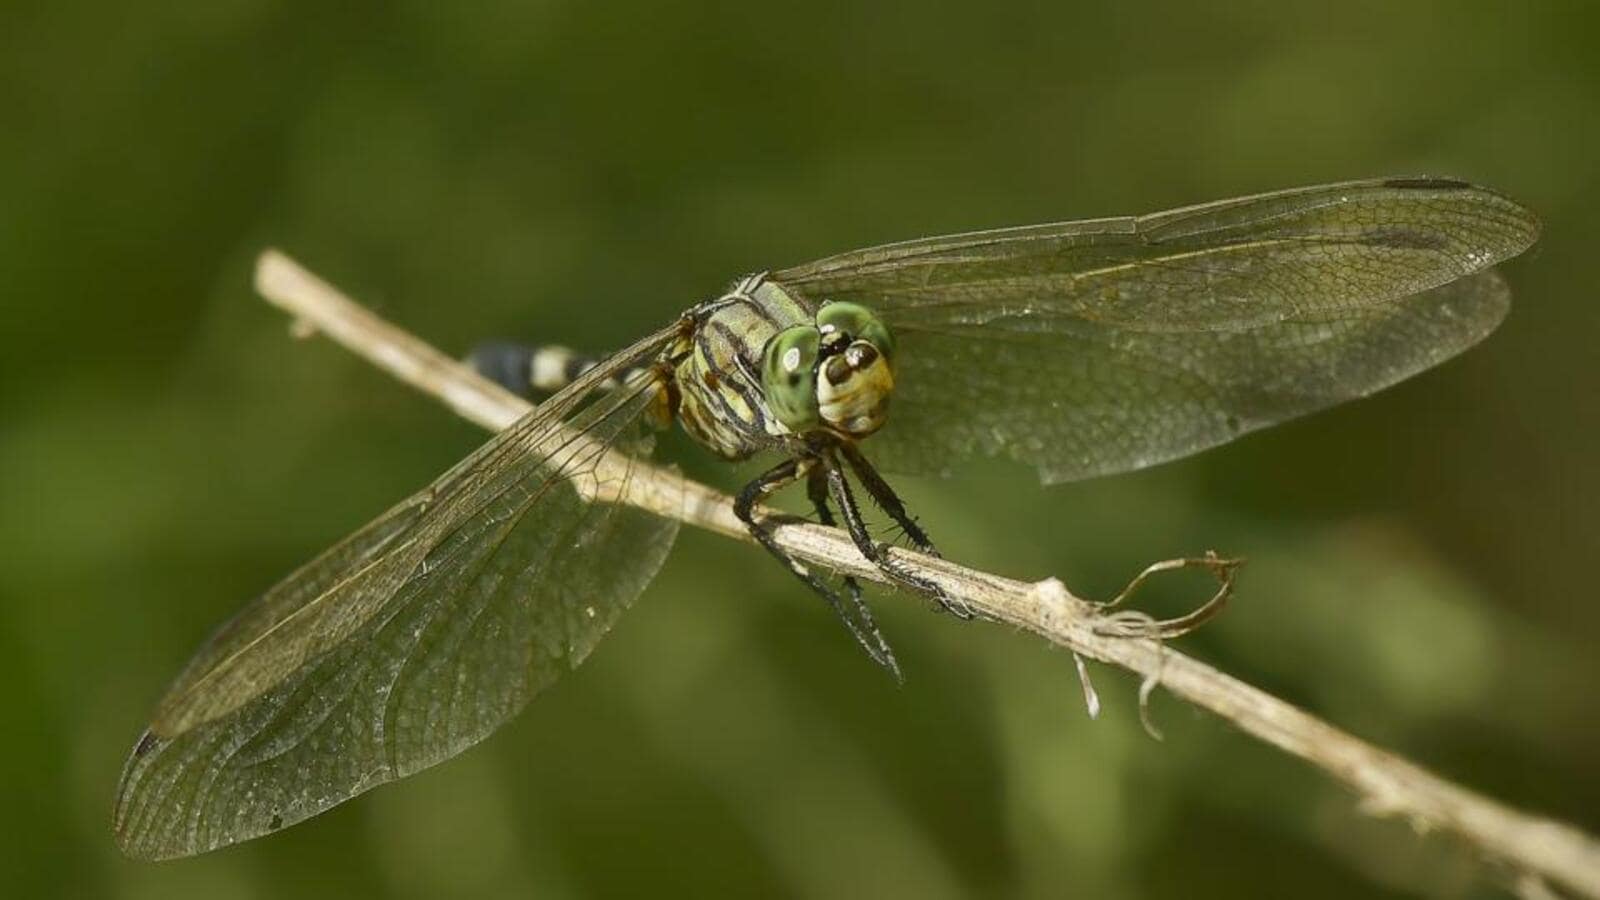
(1535, 850)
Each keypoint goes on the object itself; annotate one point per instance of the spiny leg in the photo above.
(886, 498)
(857, 526)
(855, 616)
(817, 490)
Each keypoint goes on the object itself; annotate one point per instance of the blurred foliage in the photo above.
(580, 172)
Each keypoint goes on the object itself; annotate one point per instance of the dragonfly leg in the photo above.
(817, 490)
(887, 499)
(854, 614)
(872, 550)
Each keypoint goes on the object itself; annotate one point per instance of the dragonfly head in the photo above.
(835, 373)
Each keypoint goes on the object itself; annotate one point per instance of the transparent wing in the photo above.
(411, 640)
(1099, 401)
(1092, 347)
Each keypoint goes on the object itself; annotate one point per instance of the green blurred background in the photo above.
(1421, 563)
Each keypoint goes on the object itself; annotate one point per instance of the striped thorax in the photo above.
(723, 402)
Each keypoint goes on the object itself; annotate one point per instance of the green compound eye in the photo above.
(856, 323)
(789, 376)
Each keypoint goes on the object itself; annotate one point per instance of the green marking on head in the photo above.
(843, 323)
(789, 376)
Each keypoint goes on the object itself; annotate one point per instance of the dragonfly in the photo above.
(1078, 349)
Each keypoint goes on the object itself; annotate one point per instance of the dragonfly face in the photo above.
(856, 375)
(759, 369)
(834, 372)
(1075, 348)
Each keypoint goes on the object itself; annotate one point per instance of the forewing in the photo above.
(412, 640)
(1102, 400)
(1092, 347)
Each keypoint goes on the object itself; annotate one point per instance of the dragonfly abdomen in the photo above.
(542, 370)
(528, 370)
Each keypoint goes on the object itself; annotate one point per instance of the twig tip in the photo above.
(271, 263)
